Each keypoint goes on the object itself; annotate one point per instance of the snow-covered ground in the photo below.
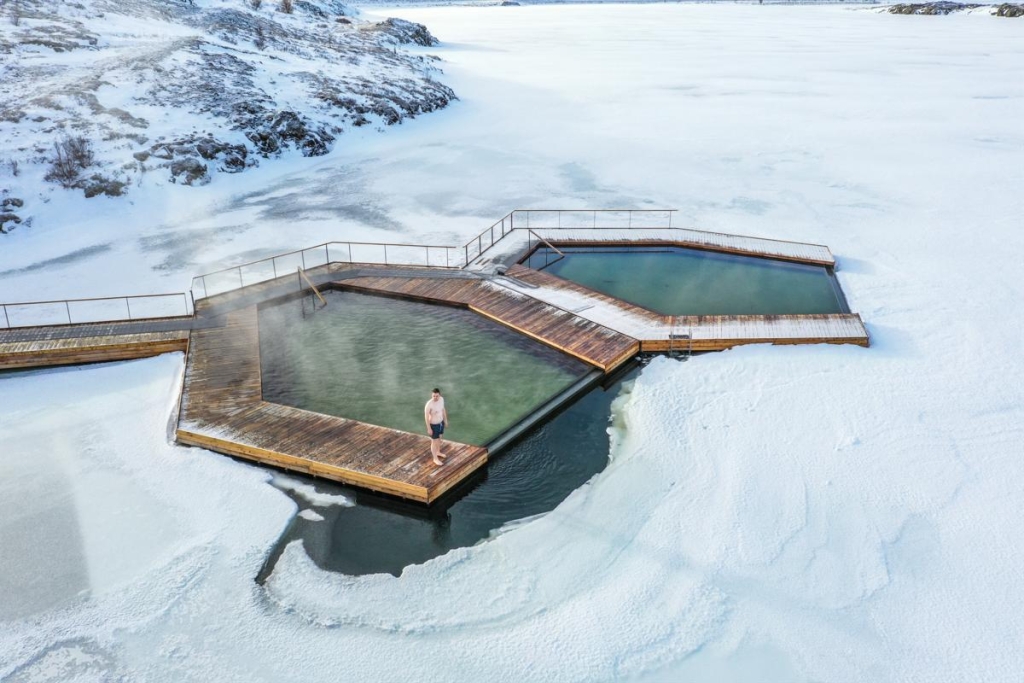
(769, 514)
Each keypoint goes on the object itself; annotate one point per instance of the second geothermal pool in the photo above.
(376, 359)
(679, 281)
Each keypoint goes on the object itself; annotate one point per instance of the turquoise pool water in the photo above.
(678, 281)
(375, 359)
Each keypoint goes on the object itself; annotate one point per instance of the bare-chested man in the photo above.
(436, 417)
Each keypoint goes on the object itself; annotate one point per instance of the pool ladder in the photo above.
(681, 352)
(314, 292)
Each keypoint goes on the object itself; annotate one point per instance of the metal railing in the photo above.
(150, 306)
(96, 310)
(475, 248)
(567, 219)
(273, 267)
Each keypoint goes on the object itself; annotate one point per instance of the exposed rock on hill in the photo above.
(193, 90)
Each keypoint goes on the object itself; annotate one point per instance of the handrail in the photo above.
(516, 216)
(492, 235)
(67, 318)
(549, 245)
(302, 275)
(324, 254)
(703, 232)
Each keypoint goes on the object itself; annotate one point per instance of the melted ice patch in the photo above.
(309, 493)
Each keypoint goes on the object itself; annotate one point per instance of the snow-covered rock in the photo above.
(187, 90)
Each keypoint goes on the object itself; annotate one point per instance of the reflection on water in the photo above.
(678, 281)
(375, 359)
(531, 477)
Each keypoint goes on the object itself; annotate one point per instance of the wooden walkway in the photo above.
(33, 347)
(514, 244)
(222, 406)
(703, 332)
(222, 409)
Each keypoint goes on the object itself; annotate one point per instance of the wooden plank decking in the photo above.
(33, 347)
(513, 245)
(222, 409)
(800, 252)
(706, 332)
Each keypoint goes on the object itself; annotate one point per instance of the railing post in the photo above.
(193, 297)
(385, 254)
(273, 263)
(128, 305)
(241, 282)
(67, 307)
(6, 319)
(447, 258)
(350, 252)
(426, 254)
(466, 264)
(302, 254)
(327, 256)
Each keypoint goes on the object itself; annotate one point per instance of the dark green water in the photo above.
(375, 359)
(531, 477)
(678, 281)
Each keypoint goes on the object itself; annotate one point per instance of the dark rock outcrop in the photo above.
(287, 129)
(931, 8)
(1008, 9)
(407, 32)
(189, 171)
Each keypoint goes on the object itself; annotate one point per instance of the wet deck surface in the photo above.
(29, 347)
(658, 332)
(222, 409)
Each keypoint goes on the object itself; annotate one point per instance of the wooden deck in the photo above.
(514, 244)
(222, 409)
(584, 339)
(705, 332)
(222, 406)
(33, 347)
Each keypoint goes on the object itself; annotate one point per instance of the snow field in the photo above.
(768, 514)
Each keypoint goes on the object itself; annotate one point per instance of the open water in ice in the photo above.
(381, 534)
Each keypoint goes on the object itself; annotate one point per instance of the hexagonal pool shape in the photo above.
(673, 280)
(375, 359)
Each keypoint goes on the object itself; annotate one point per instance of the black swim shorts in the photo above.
(436, 431)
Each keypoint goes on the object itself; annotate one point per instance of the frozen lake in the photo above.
(814, 513)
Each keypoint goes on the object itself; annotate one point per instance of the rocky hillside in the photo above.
(945, 7)
(96, 93)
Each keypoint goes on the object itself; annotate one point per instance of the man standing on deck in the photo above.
(436, 418)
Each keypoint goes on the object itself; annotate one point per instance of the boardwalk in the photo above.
(513, 245)
(658, 332)
(222, 406)
(222, 409)
(30, 347)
